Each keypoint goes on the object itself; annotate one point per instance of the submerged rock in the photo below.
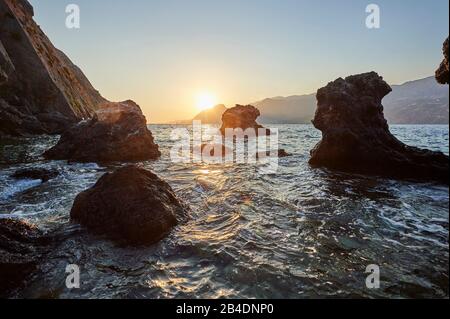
(356, 136)
(37, 173)
(220, 150)
(442, 74)
(283, 153)
(21, 250)
(118, 132)
(242, 117)
(131, 205)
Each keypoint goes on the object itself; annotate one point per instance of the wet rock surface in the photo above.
(356, 136)
(22, 247)
(130, 206)
(442, 74)
(242, 117)
(117, 133)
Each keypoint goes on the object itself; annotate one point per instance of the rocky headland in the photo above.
(41, 90)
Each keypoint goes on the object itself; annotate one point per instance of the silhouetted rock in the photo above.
(356, 136)
(41, 90)
(243, 117)
(283, 153)
(209, 149)
(21, 249)
(442, 74)
(36, 173)
(131, 205)
(118, 132)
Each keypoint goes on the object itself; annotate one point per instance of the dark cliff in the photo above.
(41, 90)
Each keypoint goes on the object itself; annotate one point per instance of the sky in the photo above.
(164, 54)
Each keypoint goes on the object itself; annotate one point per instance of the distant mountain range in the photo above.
(418, 102)
(211, 116)
(296, 109)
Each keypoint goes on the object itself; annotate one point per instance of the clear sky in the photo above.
(164, 53)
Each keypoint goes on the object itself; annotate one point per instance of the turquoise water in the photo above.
(299, 233)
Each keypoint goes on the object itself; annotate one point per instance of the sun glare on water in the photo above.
(206, 101)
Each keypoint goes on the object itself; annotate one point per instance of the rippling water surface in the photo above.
(299, 233)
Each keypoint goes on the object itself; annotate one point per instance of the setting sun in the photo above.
(206, 101)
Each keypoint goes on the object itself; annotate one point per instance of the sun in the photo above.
(206, 101)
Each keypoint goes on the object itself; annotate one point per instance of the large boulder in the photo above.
(131, 206)
(356, 136)
(242, 117)
(21, 250)
(442, 74)
(118, 132)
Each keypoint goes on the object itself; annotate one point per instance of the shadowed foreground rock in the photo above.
(356, 136)
(131, 205)
(21, 250)
(442, 74)
(118, 132)
(243, 117)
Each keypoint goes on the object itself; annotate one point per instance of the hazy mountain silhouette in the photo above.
(287, 110)
(211, 116)
(422, 101)
(417, 102)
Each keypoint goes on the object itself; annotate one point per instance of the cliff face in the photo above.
(41, 90)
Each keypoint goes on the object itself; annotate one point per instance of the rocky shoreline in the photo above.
(133, 206)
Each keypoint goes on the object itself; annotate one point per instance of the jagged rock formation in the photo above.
(41, 90)
(131, 206)
(21, 249)
(117, 133)
(442, 74)
(243, 117)
(356, 136)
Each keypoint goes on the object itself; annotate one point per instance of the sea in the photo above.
(299, 232)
